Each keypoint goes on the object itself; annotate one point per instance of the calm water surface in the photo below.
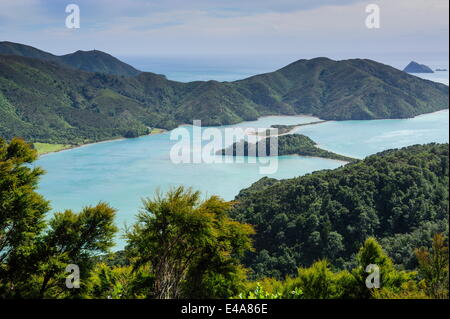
(124, 171)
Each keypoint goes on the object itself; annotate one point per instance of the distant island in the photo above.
(90, 96)
(441, 70)
(293, 144)
(414, 67)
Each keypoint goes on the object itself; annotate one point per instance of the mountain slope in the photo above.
(92, 61)
(11, 48)
(356, 89)
(398, 196)
(46, 101)
(98, 61)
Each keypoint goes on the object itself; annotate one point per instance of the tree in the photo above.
(118, 282)
(33, 252)
(371, 253)
(184, 239)
(74, 239)
(433, 267)
(319, 282)
(396, 196)
(22, 213)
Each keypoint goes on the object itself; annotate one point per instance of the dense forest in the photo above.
(45, 100)
(183, 246)
(399, 197)
(294, 144)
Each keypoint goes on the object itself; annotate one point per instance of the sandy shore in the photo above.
(105, 141)
(294, 128)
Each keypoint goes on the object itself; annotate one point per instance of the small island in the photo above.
(294, 144)
(441, 70)
(414, 67)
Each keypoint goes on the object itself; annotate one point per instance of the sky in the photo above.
(409, 29)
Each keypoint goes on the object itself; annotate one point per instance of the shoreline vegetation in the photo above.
(49, 148)
(312, 150)
(288, 144)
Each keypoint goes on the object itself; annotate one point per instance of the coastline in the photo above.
(264, 116)
(292, 129)
(161, 131)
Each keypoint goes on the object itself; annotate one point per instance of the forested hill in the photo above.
(92, 61)
(355, 89)
(44, 100)
(398, 196)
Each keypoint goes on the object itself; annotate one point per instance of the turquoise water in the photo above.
(122, 172)
(362, 138)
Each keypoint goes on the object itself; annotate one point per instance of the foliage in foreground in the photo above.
(320, 281)
(191, 247)
(180, 247)
(34, 252)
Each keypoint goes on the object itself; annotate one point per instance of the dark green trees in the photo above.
(73, 239)
(22, 212)
(398, 196)
(190, 246)
(373, 276)
(33, 252)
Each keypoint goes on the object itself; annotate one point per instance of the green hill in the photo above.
(398, 196)
(11, 48)
(356, 89)
(45, 100)
(98, 61)
(92, 61)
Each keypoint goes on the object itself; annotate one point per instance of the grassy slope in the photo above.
(44, 148)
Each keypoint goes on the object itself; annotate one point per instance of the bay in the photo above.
(122, 172)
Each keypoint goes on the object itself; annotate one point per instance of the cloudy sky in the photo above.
(304, 28)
